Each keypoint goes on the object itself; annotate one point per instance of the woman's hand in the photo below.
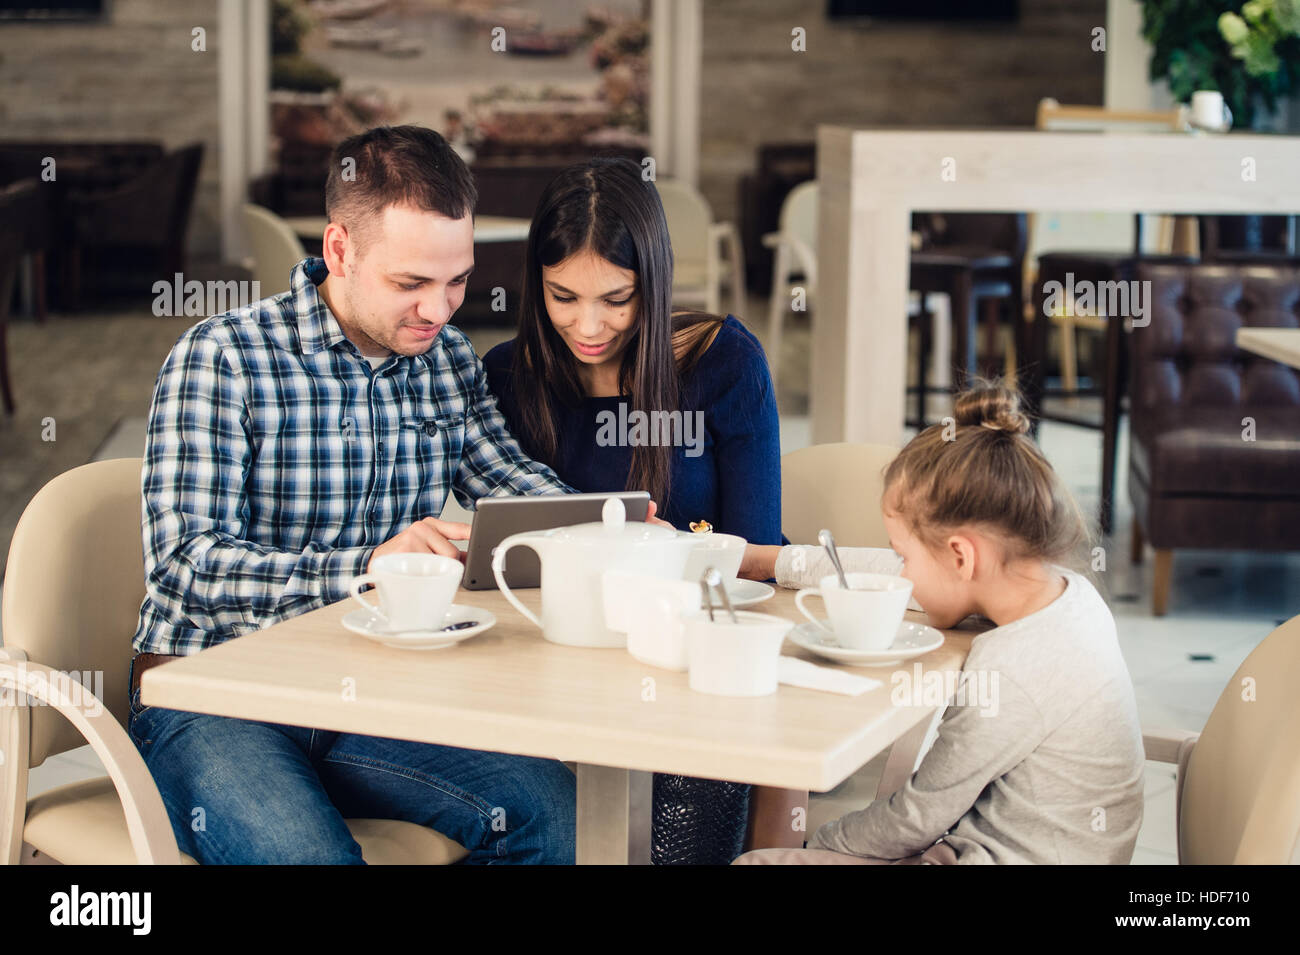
(651, 519)
(759, 562)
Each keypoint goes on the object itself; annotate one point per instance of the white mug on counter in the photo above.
(414, 590)
(864, 617)
(1210, 112)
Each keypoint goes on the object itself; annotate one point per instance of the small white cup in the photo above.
(1210, 112)
(734, 659)
(414, 590)
(650, 610)
(723, 551)
(867, 615)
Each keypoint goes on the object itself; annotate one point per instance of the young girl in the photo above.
(1051, 772)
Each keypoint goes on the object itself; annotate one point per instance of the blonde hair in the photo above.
(985, 471)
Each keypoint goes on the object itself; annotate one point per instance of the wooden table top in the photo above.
(510, 690)
(1279, 344)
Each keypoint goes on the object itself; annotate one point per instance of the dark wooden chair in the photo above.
(148, 214)
(39, 214)
(977, 260)
(1097, 268)
(17, 203)
(1249, 240)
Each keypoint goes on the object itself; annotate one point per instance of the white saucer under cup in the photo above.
(911, 640)
(867, 615)
(366, 624)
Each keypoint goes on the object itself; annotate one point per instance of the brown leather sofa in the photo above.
(1198, 476)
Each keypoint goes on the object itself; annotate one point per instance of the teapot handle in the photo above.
(499, 565)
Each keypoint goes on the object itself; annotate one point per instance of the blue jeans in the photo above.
(245, 792)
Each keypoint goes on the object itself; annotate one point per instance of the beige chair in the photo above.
(275, 248)
(837, 486)
(1237, 800)
(795, 242)
(697, 245)
(72, 595)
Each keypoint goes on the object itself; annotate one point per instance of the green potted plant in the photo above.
(1191, 51)
(1265, 36)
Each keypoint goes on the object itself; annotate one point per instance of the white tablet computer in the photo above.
(496, 518)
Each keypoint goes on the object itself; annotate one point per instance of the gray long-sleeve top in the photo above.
(1051, 772)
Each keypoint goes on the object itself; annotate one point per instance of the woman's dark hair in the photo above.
(603, 206)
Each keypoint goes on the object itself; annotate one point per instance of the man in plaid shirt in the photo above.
(290, 443)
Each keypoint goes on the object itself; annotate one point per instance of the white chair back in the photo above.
(275, 248)
(799, 214)
(689, 218)
(837, 486)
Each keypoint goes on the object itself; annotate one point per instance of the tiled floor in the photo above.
(1223, 606)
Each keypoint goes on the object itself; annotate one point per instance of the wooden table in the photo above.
(486, 228)
(1279, 344)
(509, 690)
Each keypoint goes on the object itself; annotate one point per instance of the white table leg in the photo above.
(859, 342)
(613, 816)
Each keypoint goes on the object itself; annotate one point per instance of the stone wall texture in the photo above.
(131, 75)
(756, 89)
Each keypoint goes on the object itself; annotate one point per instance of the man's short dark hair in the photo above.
(395, 165)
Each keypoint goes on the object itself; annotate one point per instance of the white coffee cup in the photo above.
(723, 551)
(1210, 112)
(414, 590)
(734, 659)
(867, 615)
(650, 610)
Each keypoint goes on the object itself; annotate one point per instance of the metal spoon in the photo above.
(714, 578)
(705, 596)
(827, 541)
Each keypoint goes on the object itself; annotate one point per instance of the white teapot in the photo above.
(573, 560)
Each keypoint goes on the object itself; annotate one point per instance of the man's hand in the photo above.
(429, 536)
(651, 519)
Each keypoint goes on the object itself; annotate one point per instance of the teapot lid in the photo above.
(613, 526)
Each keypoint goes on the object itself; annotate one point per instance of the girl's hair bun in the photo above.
(993, 406)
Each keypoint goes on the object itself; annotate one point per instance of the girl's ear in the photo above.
(961, 555)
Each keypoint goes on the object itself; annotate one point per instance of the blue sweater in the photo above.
(730, 475)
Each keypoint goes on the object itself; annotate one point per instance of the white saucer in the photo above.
(913, 640)
(746, 593)
(366, 624)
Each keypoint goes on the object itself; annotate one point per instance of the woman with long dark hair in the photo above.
(598, 343)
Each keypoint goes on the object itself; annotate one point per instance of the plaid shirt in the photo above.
(277, 460)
